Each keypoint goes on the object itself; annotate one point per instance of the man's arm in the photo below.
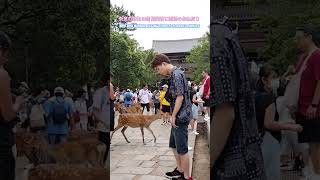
(177, 105)
(8, 110)
(206, 88)
(316, 97)
(223, 118)
(111, 92)
(313, 107)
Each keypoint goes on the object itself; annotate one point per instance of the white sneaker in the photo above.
(195, 132)
(189, 148)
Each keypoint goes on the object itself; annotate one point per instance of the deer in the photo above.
(136, 121)
(65, 172)
(134, 108)
(38, 151)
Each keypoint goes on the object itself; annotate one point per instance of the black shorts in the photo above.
(179, 139)
(145, 105)
(310, 131)
(165, 109)
(112, 116)
(7, 167)
(206, 102)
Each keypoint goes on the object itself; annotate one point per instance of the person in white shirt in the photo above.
(68, 98)
(144, 98)
(101, 111)
(81, 110)
(135, 97)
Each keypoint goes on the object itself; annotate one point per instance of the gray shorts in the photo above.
(179, 139)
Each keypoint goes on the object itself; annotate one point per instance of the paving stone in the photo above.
(132, 170)
(150, 177)
(167, 163)
(145, 157)
(161, 170)
(148, 164)
(166, 158)
(121, 176)
(129, 163)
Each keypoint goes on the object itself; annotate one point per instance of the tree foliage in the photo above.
(56, 42)
(130, 64)
(200, 58)
(279, 26)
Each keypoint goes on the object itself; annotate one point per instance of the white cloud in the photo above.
(168, 8)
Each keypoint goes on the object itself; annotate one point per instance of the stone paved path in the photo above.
(135, 161)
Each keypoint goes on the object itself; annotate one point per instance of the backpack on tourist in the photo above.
(128, 96)
(37, 119)
(59, 112)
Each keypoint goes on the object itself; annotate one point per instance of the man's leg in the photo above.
(181, 139)
(178, 160)
(184, 159)
(313, 156)
(318, 158)
(7, 166)
(51, 138)
(172, 144)
(148, 107)
(63, 138)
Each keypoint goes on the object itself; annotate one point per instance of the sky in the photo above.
(179, 8)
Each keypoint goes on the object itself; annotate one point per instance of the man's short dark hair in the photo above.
(5, 41)
(159, 59)
(308, 29)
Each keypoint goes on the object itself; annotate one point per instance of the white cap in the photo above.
(24, 84)
(128, 90)
(59, 90)
(165, 86)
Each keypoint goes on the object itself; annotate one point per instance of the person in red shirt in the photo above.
(206, 94)
(308, 112)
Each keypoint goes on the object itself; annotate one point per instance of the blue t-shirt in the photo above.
(56, 128)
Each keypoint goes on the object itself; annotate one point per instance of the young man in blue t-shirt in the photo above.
(58, 113)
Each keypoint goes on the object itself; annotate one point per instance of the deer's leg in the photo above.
(155, 139)
(123, 129)
(115, 129)
(141, 128)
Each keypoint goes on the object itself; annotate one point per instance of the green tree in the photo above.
(57, 42)
(279, 26)
(130, 64)
(200, 58)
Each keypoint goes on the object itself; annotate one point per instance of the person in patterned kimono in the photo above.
(235, 142)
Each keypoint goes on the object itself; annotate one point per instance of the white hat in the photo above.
(58, 90)
(165, 86)
(25, 85)
(128, 90)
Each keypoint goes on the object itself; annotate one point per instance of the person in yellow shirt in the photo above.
(164, 104)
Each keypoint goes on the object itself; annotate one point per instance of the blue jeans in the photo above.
(57, 138)
(271, 156)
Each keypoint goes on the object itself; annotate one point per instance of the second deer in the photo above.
(136, 121)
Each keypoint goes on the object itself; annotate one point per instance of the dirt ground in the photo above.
(201, 164)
